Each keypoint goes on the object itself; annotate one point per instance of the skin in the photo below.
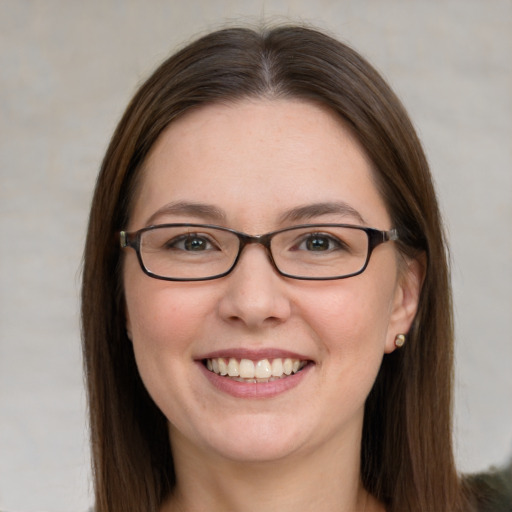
(297, 450)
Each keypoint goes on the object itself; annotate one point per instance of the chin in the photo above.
(251, 440)
(251, 451)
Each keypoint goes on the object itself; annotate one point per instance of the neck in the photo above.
(324, 480)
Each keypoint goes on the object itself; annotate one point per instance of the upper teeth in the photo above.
(248, 369)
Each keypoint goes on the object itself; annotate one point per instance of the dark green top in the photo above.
(493, 490)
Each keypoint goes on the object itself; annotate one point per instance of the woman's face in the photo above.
(253, 166)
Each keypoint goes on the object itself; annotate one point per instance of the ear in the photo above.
(406, 298)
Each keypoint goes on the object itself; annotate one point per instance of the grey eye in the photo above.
(190, 243)
(318, 242)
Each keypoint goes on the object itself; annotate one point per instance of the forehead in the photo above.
(255, 158)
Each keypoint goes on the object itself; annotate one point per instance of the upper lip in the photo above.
(254, 354)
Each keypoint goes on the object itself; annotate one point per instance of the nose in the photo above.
(255, 295)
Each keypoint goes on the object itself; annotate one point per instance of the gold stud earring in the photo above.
(399, 340)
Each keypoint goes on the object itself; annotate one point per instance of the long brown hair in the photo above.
(406, 454)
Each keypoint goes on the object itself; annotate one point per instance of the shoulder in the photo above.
(492, 490)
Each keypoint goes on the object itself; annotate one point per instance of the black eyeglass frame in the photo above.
(376, 237)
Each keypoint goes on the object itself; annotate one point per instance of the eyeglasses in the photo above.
(200, 252)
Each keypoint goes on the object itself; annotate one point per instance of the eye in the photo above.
(191, 242)
(320, 242)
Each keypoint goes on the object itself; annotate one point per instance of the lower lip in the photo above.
(255, 389)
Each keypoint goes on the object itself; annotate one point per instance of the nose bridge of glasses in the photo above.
(263, 240)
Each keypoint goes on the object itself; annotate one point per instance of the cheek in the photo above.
(166, 321)
(352, 316)
(164, 317)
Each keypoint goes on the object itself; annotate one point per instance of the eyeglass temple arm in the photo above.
(124, 240)
(391, 235)
(377, 237)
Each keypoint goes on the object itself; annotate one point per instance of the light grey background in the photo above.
(68, 68)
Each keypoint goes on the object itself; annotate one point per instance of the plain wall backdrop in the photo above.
(67, 70)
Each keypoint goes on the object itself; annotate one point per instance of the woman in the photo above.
(306, 369)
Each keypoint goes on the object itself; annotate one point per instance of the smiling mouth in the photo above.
(263, 370)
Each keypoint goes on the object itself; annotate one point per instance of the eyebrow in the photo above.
(310, 211)
(212, 213)
(189, 209)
